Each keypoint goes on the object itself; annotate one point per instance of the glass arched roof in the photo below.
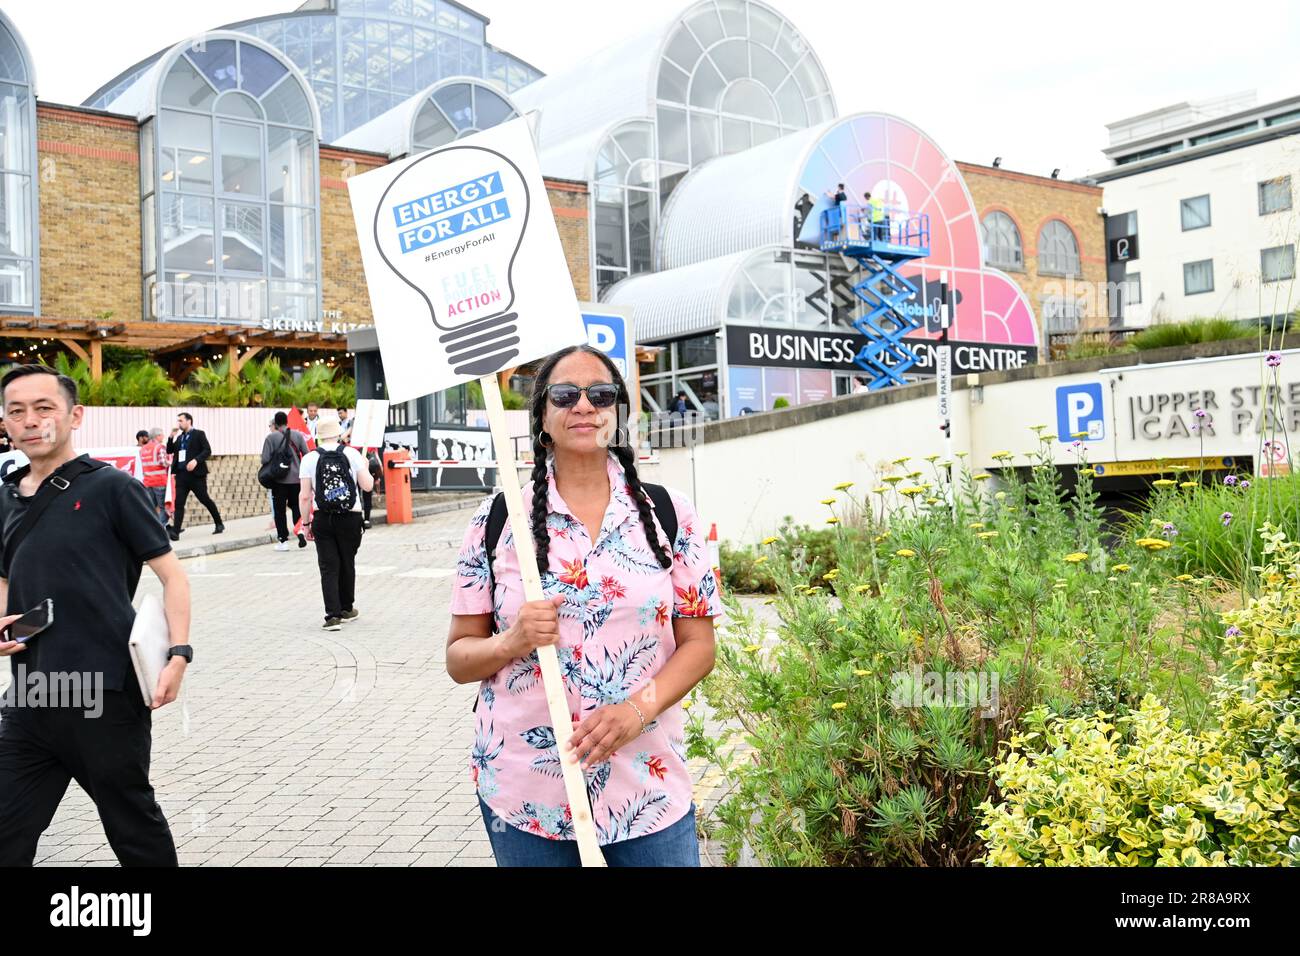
(260, 75)
(450, 109)
(738, 202)
(716, 78)
(363, 57)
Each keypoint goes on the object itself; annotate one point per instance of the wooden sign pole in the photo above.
(575, 786)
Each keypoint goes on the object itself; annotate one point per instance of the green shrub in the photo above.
(743, 571)
(142, 382)
(1191, 332)
(1138, 791)
(746, 570)
(1142, 791)
(836, 753)
(1259, 703)
(781, 402)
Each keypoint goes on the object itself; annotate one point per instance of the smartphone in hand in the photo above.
(31, 623)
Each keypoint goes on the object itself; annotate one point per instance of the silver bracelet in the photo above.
(640, 715)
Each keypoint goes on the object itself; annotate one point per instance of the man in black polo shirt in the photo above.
(83, 550)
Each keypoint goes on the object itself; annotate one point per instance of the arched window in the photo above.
(19, 279)
(231, 219)
(623, 192)
(734, 74)
(1058, 251)
(458, 109)
(1002, 241)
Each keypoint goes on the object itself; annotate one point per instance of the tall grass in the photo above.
(1208, 542)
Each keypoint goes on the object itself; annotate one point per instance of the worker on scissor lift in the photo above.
(839, 222)
(879, 225)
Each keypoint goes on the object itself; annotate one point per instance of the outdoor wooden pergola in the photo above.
(86, 338)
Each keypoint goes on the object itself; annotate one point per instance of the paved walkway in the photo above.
(300, 747)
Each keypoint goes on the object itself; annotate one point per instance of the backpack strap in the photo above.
(664, 510)
(50, 489)
(496, 523)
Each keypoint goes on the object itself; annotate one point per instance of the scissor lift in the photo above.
(880, 247)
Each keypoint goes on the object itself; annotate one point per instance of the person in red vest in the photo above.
(156, 465)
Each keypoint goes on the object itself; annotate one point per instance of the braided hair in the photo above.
(620, 446)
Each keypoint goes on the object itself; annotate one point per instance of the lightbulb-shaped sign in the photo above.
(484, 206)
(463, 262)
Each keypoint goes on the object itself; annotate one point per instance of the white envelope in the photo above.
(149, 643)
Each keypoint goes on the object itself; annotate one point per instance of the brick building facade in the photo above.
(90, 221)
(1032, 203)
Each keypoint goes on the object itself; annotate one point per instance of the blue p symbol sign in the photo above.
(601, 337)
(1079, 413)
(608, 334)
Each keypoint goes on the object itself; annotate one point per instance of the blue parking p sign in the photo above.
(1079, 412)
(608, 333)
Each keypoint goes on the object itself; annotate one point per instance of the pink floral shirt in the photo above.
(616, 633)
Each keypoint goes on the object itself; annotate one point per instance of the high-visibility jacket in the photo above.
(877, 209)
(154, 458)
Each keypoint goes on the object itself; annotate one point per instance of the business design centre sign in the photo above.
(774, 347)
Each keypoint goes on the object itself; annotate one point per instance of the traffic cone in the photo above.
(715, 554)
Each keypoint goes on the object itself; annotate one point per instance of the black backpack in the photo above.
(658, 495)
(336, 489)
(280, 466)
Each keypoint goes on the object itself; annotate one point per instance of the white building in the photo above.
(1209, 190)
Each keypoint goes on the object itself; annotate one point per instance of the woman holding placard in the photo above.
(631, 597)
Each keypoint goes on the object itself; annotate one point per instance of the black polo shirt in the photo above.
(86, 553)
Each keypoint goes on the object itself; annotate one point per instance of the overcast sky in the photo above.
(1033, 82)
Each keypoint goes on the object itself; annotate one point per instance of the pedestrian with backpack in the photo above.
(331, 480)
(282, 450)
(629, 607)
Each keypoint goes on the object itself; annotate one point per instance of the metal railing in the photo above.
(895, 227)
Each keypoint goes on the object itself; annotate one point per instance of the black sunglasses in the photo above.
(601, 395)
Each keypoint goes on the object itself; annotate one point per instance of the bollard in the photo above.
(397, 487)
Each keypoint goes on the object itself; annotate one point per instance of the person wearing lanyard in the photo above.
(629, 609)
(190, 452)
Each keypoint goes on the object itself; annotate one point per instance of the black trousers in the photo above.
(367, 501)
(108, 755)
(283, 495)
(338, 536)
(185, 483)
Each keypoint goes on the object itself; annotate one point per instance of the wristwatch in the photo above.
(181, 650)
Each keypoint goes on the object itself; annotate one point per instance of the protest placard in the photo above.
(467, 277)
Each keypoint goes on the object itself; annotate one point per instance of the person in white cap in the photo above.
(331, 479)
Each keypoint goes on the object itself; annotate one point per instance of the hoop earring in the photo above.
(546, 439)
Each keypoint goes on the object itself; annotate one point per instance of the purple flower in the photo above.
(1230, 480)
(1232, 631)
(1245, 485)
(1196, 427)
(1200, 413)
(1226, 518)
(1169, 531)
(1274, 359)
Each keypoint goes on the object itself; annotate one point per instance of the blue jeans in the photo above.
(159, 496)
(676, 845)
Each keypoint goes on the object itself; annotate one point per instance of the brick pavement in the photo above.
(301, 747)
